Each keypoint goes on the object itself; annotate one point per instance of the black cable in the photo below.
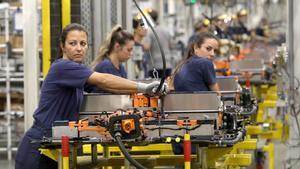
(296, 118)
(295, 163)
(238, 137)
(162, 81)
(167, 128)
(126, 153)
(294, 77)
(250, 113)
(295, 113)
(104, 113)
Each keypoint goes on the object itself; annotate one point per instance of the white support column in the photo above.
(126, 15)
(296, 37)
(120, 11)
(294, 60)
(126, 22)
(31, 60)
(101, 22)
(5, 7)
(97, 26)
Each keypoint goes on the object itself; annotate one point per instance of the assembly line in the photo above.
(220, 120)
(179, 84)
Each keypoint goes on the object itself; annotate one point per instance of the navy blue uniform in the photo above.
(196, 75)
(60, 99)
(107, 67)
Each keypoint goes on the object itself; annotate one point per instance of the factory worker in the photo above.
(116, 49)
(196, 71)
(62, 94)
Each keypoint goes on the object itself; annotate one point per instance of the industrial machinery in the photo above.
(267, 82)
(201, 118)
(137, 120)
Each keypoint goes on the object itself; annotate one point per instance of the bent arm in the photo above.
(112, 83)
(214, 87)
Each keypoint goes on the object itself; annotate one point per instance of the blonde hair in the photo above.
(117, 35)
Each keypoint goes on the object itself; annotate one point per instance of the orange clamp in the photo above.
(128, 125)
(183, 123)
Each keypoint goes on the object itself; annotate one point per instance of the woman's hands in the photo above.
(151, 88)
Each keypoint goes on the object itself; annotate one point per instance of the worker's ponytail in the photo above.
(117, 35)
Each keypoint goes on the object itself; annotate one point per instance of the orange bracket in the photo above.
(84, 126)
(144, 101)
(183, 123)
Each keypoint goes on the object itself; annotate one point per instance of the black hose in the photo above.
(162, 80)
(250, 113)
(223, 142)
(126, 153)
(239, 136)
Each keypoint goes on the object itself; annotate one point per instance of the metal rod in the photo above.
(5, 149)
(16, 79)
(8, 97)
(12, 113)
(191, 111)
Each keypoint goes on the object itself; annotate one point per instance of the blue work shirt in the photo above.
(60, 99)
(61, 92)
(107, 67)
(195, 75)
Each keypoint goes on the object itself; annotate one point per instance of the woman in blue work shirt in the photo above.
(196, 71)
(62, 94)
(116, 50)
